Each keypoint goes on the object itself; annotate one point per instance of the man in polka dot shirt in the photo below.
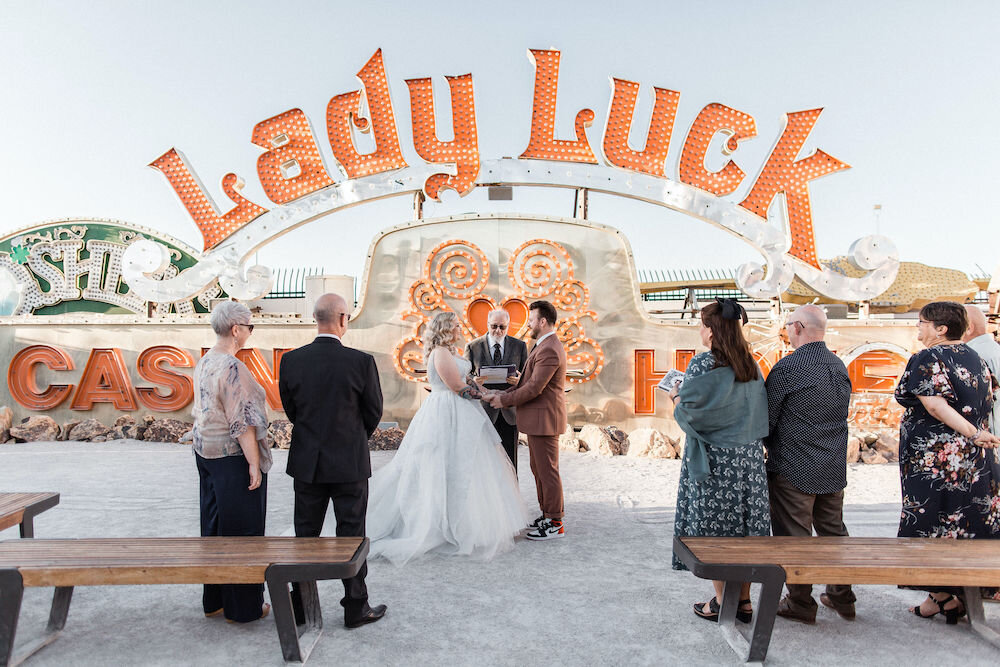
(808, 396)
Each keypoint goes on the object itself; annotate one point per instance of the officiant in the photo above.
(496, 348)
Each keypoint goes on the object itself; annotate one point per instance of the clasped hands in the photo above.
(492, 397)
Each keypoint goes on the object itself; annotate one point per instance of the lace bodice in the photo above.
(437, 384)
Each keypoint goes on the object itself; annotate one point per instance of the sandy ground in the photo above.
(605, 595)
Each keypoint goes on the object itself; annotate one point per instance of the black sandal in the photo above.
(713, 611)
(951, 616)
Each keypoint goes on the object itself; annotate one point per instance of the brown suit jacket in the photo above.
(539, 394)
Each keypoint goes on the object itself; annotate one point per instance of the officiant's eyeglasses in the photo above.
(347, 315)
(501, 327)
(248, 326)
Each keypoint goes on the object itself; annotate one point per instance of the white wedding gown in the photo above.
(450, 488)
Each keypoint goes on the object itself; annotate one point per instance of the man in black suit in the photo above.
(496, 348)
(332, 396)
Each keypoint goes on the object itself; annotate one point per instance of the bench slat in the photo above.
(861, 560)
(166, 560)
(12, 506)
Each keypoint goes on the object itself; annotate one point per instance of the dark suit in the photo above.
(332, 396)
(515, 352)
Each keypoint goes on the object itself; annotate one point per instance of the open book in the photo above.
(673, 378)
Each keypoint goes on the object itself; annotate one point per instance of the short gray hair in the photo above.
(226, 314)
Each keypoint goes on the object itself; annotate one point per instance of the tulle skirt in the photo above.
(450, 489)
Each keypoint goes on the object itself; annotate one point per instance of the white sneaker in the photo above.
(533, 526)
(548, 529)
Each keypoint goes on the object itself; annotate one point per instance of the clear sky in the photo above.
(94, 91)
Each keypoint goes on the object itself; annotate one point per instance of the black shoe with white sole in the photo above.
(533, 526)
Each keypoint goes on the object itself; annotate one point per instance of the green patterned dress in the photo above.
(732, 501)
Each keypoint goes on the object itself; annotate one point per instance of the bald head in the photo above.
(329, 314)
(977, 322)
(806, 325)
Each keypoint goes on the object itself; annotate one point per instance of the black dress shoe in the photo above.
(373, 614)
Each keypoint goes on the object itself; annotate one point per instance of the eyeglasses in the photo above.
(248, 326)
(919, 322)
(793, 322)
(501, 327)
(347, 315)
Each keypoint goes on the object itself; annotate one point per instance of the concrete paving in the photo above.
(605, 595)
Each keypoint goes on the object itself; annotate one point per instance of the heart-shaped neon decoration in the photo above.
(478, 311)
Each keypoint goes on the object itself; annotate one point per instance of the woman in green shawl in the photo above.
(722, 409)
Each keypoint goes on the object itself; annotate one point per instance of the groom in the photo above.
(541, 415)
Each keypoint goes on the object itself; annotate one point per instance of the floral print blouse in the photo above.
(227, 401)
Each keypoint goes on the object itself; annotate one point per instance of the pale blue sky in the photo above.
(95, 91)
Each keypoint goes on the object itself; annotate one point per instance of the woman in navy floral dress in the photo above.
(948, 487)
(726, 494)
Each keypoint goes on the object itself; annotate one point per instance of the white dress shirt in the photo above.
(494, 341)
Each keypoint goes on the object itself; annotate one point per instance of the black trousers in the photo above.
(350, 504)
(229, 509)
(508, 438)
(795, 513)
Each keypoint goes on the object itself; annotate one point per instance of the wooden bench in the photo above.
(774, 561)
(20, 509)
(276, 561)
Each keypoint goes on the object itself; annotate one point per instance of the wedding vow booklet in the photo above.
(497, 374)
(673, 378)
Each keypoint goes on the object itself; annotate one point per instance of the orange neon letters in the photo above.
(463, 150)
(343, 114)
(711, 120)
(150, 366)
(104, 380)
(783, 173)
(21, 377)
(543, 145)
(661, 125)
(214, 227)
(291, 165)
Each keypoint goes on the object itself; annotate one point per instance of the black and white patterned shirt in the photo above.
(808, 396)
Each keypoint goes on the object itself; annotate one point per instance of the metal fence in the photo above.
(290, 283)
(691, 276)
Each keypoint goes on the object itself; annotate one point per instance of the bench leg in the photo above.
(11, 593)
(57, 621)
(977, 619)
(295, 647)
(27, 526)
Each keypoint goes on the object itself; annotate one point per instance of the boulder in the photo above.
(126, 428)
(5, 436)
(280, 433)
(87, 430)
(853, 449)
(166, 430)
(872, 457)
(37, 428)
(386, 439)
(66, 428)
(6, 418)
(568, 441)
(608, 440)
(889, 448)
(147, 419)
(869, 438)
(650, 443)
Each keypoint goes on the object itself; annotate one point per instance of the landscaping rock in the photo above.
(38, 428)
(166, 430)
(6, 418)
(568, 441)
(650, 443)
(5, 436)
(608, 440)
(280, 433)
(385, 439)
(126, 428)
(87, 430)
(853, 449)
(887, 448)
(872, 457)
(66, 428)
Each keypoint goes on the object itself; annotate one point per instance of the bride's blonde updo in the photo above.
(439, 333)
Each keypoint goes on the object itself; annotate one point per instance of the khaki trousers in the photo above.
(795, 513)
(543, 454)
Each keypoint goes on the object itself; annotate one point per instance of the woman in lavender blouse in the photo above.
(232, 454)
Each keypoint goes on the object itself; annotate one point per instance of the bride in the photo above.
(450, 488)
